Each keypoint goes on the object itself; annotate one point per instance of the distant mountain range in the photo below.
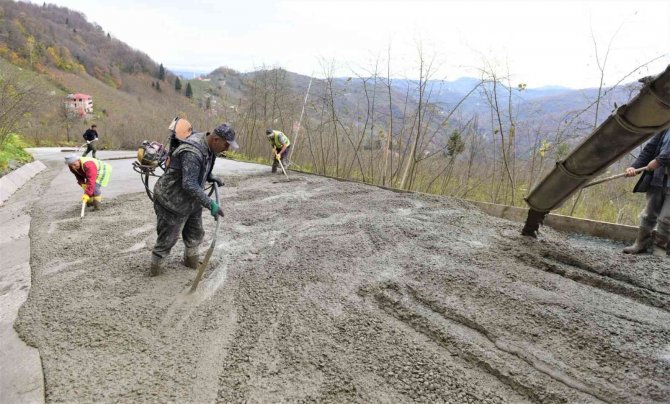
(188, 74)
(79, 56)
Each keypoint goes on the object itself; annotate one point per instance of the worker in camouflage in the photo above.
(179, 194)
(281, 147)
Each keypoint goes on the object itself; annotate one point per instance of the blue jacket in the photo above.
(90, 134)
(658, 148)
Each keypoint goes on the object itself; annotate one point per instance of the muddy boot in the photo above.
(96, 203)
(191, 257)
(156, 266)
(660, 245)
(642, 242)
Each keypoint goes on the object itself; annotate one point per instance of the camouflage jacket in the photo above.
(181, 189)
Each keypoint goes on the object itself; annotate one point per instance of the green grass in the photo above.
(12, 154)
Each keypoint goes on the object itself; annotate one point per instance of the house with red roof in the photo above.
(81, 104)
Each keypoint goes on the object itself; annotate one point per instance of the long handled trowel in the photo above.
(282, 168)
(600, 181)
(83, 209)
(208, 255)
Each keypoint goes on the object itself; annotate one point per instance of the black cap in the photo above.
(225, 131)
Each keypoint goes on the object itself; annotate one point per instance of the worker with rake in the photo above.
(179, 194)
(281, 147)
(91, 137)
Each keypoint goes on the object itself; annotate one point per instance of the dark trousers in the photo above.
(284, 159)
(90, 147)
(169, 226)
(657, 212)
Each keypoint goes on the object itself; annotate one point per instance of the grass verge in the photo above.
(12, 154)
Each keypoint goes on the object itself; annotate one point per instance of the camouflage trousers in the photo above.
(169, 226)
(90, 147)
(284, 159)
(657, 212)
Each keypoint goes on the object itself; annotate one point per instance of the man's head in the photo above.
(222, 139)
(73, 161)
(269, 132)
(94, 126)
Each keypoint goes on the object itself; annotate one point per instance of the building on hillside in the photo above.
(81, 104)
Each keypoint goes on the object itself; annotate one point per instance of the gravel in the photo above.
(320, 290)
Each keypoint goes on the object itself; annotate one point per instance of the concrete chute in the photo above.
(628, 127)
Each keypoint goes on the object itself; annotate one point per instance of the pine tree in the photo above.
(158, 86)
(109, 36)
(177, 85)
(208, 103)
(161, 73)
(189, 91)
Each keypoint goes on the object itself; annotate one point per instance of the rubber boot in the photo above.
(96, 202)
(660, 245)
(156, 266)
(642, 242)
(191, 257)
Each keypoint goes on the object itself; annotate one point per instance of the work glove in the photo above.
(278, 156)
(85, 198)
(218, 180)
(83, 186)
(215, 209)
(88, 142)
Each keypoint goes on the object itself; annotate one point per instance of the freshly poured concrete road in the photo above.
(21, 378)
(321, 290)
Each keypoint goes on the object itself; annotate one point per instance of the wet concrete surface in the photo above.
(322, 290)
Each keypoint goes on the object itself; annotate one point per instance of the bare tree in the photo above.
(17, 99)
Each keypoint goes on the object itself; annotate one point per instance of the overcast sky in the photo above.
(541, 42)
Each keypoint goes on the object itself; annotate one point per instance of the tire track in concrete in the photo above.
(475, 344)
(550, 264)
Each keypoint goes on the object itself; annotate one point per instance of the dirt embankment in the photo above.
(329, 291)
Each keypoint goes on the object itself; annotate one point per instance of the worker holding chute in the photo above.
(655, 157)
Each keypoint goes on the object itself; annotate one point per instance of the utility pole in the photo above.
(297, 130)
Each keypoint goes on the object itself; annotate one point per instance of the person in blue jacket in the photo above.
(655, 157)
(91, 136)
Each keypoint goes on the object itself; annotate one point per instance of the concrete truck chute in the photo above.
(628, 127)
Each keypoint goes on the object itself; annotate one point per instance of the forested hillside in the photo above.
(54, 51)
(485, 138)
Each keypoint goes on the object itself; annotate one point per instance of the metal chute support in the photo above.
(628, 127)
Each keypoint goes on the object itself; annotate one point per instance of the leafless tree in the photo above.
(18, 98)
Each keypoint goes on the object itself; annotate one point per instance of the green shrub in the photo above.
(12, 154)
